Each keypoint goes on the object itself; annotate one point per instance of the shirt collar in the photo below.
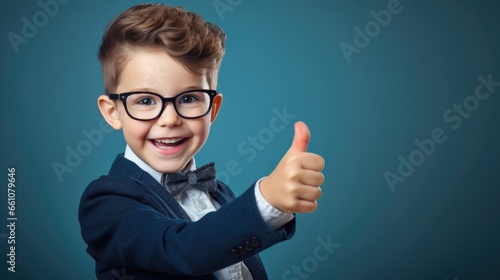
(130, 155)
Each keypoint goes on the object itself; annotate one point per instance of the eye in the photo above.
(145, 101)
(188, 99)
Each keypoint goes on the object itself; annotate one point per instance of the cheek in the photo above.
(201, 128)
(134, 131)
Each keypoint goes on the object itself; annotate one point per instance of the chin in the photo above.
(169, 168)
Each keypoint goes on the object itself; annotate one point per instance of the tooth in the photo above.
(169, 141)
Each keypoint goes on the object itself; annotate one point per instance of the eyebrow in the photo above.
(143, 89)
(157, 91)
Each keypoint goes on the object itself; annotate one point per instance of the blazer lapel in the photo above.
(223, 195)
(161, 198)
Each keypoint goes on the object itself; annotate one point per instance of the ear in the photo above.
(216, 103)
(108, 111)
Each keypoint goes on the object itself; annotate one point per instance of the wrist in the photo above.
(263, 187)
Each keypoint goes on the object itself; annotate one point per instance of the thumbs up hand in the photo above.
(293, 186)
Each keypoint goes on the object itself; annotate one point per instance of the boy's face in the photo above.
(169, 142)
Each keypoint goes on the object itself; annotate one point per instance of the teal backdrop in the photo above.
(401, 98)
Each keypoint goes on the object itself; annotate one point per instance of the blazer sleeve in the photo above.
(122, 228)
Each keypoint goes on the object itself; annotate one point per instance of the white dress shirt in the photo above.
(196, 203)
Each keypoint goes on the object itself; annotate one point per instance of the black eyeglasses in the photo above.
(146, 106)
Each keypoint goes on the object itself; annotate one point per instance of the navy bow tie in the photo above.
(202, 178)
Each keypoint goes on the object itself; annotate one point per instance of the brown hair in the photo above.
(184, 35)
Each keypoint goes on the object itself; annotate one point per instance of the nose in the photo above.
(169, 116)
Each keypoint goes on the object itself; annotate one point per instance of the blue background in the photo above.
(442, 222)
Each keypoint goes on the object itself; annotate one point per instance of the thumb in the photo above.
(301, 138)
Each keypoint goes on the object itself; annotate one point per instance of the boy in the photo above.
(156, 215)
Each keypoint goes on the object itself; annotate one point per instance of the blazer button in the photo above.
(242, 251)
(248, 246)
(256, 242)
(235, 254)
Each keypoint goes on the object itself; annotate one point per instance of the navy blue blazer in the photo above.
(134, 228)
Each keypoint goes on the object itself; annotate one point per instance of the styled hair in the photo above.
(197, 44)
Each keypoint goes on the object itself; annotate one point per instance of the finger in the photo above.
(301, 138)
(304, 206)
(312, 162)
(309, 193)
(311, 178)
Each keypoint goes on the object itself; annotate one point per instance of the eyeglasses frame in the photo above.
(123, 97)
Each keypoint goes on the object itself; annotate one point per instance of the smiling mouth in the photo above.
(168, 143)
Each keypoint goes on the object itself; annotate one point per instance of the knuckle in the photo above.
(294, 174)
(294, 160)
(294, 192)
(291, 204)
